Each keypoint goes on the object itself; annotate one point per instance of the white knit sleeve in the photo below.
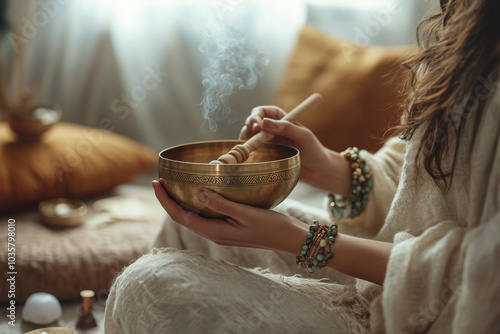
(385, 166)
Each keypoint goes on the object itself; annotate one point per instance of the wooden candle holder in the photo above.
(241, 152)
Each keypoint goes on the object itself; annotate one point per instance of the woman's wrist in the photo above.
(334, 175)
(361, 258)
(322, 245)
(293, 239)
(361, 179)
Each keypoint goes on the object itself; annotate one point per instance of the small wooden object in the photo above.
(241, 152)
(86, 319)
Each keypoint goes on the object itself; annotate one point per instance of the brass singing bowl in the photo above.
(263, 181)
(31, 126)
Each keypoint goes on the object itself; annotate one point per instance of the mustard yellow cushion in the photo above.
(360, 87)
(70, 161)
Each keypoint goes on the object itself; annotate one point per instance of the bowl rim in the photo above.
(46, 206)
(226, 141)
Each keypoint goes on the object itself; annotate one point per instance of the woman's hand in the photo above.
(246, 227)
(321, 167)
(260, 228)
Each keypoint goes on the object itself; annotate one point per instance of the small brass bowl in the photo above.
(31, 127)
(63, 212)
(264, 180)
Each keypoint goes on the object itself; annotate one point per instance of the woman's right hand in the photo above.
(321, 167)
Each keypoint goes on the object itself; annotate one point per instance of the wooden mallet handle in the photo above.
(241, 152)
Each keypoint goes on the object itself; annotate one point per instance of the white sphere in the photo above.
(41, 308)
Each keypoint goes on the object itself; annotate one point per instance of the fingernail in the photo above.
(202, 195)
(254, 126)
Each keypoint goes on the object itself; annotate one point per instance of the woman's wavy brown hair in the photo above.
(451, 77)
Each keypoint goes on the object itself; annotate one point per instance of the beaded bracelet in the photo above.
(352, 206)
(317, 249)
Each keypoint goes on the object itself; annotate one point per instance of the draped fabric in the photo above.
(135, 66)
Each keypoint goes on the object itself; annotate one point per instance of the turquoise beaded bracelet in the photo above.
(317, 249)
(350, 207)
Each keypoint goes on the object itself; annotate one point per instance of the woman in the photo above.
(432, 216)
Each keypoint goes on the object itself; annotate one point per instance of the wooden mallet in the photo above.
(241, 152)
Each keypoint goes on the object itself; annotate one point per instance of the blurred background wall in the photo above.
(135, 66)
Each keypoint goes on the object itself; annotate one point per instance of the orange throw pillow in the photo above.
(360, 87)
(69, 161)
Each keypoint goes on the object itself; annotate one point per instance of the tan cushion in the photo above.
(69, 161)
(359, 85)
(64, 261)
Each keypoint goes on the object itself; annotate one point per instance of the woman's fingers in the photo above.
(254, 121)
(269, 112)
(244, 133)
(298, 134)
(210, 199)
(173, 209)
(219, 204)
(222, 232)
(212, 229)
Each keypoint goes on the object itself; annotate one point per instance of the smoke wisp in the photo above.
(235, 64)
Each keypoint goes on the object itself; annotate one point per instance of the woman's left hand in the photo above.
(246, 227)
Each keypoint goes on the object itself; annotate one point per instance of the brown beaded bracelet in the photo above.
(317, 249)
